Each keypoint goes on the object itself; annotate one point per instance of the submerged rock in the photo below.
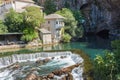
(53, 57)
(46, 60)
(15, 66)
(41, 62)
(62, 57)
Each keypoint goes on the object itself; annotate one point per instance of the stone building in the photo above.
(10, 38)
(17, 5)
(45, 36)
(54, 24)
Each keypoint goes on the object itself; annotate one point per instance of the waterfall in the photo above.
(77, 73)
(76, 58)
(56, 63)
(9, 60)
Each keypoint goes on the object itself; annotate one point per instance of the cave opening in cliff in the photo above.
(103, 33)
(84, 6)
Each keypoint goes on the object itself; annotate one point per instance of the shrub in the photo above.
(66, 38)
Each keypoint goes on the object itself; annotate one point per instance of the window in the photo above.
(48, 22)
(56, 22)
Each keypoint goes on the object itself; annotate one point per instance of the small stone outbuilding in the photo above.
(45, 36)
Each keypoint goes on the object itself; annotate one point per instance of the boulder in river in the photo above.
(51, 76)
(31, 76)
(62, 57)
(43, 61)
(46, 60)
(15, 66)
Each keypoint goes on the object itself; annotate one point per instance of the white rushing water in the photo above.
(71, 59)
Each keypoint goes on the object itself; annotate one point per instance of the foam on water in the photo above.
(57, 62)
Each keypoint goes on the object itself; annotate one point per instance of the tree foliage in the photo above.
(116, 49)
(3, 28)
(80, 20)
(78, 16)
(32, 20)
(73, 22)
(67, 5)
(29, 34)
(105, 67)
(14, 21)
(70, 22)
(33, 17)
(25, 22)
(66, 38)
(49, 6)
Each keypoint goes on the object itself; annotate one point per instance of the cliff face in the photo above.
(102, 15)
(99, 14)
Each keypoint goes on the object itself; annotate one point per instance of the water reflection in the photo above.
(92, 45)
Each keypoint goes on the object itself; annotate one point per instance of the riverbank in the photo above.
(16, 47)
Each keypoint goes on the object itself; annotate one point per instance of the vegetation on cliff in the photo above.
(49, 6)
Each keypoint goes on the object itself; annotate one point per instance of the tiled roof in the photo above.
(44, 31)
(16, 33)
(54, 16)
(31, 1)
(35, 5)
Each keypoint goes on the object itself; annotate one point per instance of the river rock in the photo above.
(39, 62)
(64, 78)
(58, 72)
(15, 66)
(51, 76)
(62, 57)
(69, 69)
(31, 76)
(53, 57)
(46, 60)
(69, 77)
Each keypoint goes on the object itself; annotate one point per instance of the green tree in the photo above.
(67, 5)
(49, 6)
(70, 22)
(80, 19)
(66, 38)
(105, 67)
(14, 21)
(33, 17)
(79, 31)
(29, 34)
(116, 49)
(32, 20)
(3, 28)
(78, 16)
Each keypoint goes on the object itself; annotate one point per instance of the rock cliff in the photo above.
(99, 14)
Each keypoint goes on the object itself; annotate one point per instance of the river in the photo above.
(92, 45)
